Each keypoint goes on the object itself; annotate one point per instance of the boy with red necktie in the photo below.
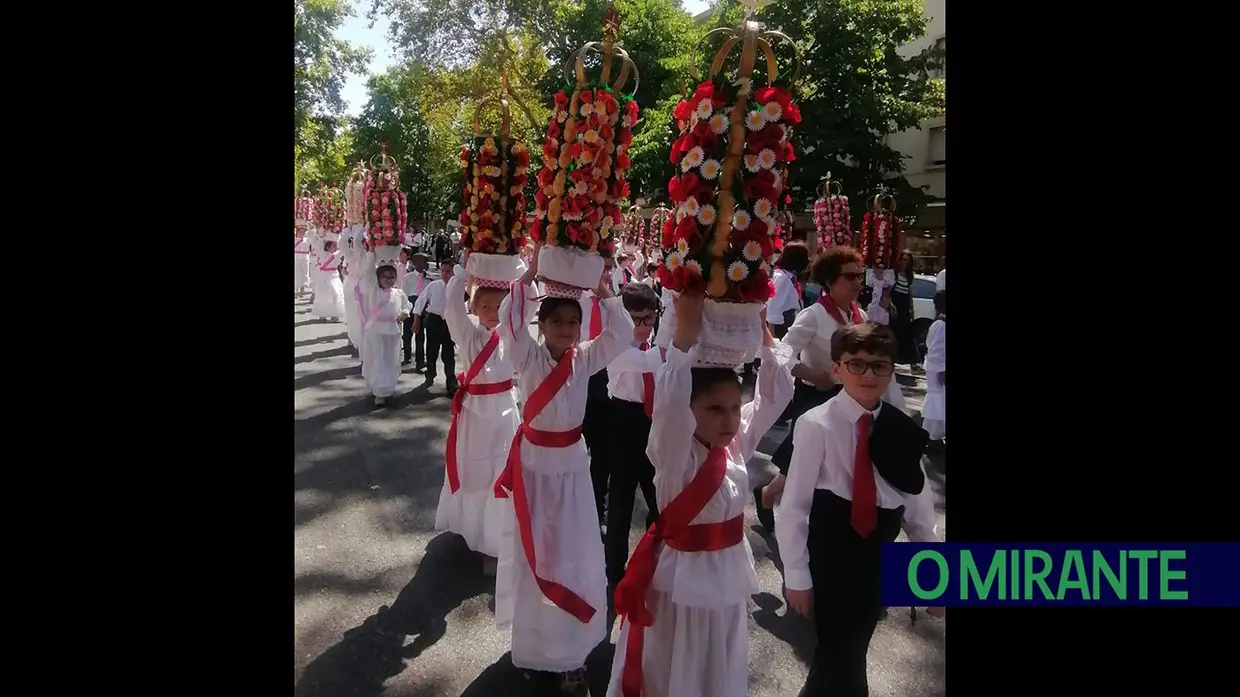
(630, 385)
(854, 481)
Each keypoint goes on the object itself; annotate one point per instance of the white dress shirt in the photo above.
(811, 335)
(432, 299)
(824, 442)
(786, 298)
(624, 373)
(587, 312)
(416, 282)
(940, 281)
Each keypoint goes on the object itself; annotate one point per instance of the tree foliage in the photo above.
(320, 64)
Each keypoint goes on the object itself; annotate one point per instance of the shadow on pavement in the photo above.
(368, 655)
(503, 679)
(791, 629)
(329, 353)
(320, 340)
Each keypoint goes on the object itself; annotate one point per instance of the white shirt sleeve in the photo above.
(809, 440)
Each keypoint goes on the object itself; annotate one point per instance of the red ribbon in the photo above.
(675, 528)
(648, 387)
(834, 310)
(466, 386)
(513, 480)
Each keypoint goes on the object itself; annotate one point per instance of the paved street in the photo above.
(384, 605)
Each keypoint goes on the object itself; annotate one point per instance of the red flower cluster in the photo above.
(726, 205)
(303, 210)
(882, 241)
(386, 209)
(833, 221)
(329, 210)
(636, 233)
(585, 156)
(493, 199)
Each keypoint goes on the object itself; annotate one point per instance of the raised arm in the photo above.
(597, 353)
(454, 312)
(515, 313)
(771, 395)
(672, 423)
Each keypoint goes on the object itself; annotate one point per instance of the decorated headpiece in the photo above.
(732, 157)
(386, 206)
(329, 211)
(832, 218)
(387, 255)
(882, 241)
(303, 209)
(496, 168)
(354, 196)
(735, 143)
(585, 155)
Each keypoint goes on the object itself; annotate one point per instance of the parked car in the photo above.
(924, 289)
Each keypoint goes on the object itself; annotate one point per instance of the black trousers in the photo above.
(846, 570)
(903, 327)
(630, 470)
(595, 428)
(407, 336)
(439, 340)
(804, 398)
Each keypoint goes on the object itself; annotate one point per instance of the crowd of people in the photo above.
(566, 407)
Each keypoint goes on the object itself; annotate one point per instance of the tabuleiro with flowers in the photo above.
(496, 168)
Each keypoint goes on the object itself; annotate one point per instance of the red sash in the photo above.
(513, 480)
(648, 388)
(675, 529)
(458, 400)
(834, 310)
(329, 260)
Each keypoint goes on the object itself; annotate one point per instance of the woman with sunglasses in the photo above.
(838, 270)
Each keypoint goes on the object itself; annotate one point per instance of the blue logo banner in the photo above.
(1025, 574)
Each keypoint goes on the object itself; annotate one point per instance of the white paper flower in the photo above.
(695, 156)
(587, 108)
(772, 111)
(766, 158)
(690, 206)
(754, 120)
(706, 215)
(718, 124)
(581, 188)
(740, 219)
(751, 162)
(752, 250)
(672, 262)
(737, 271)
(693, 266)
(682, 246)
(685, 164)
(703, 109)
(763, 208)
(591, 135)
(710, 169)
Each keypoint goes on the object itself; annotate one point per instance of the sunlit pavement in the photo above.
(367, 482)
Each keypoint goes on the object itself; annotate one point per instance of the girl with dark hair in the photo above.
(686, 589)
(558, 607)
(783, 307)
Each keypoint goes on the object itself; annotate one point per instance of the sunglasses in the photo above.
(858, 366)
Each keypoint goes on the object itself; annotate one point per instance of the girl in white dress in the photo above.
(329, 293)
(484, 419)
(685, 593)
(557, 575)
(301, 262)
(934, 410)
(386, 309)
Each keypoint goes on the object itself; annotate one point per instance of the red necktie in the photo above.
(647, 389)
(596, 319)
(864, 494)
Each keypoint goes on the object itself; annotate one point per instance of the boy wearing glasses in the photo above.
(854, 481)
(630, 385)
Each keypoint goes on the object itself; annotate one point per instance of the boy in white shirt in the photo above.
(429, 309)
(855, 479)
(630, 385)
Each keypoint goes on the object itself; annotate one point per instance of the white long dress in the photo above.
(557, 482)
(329, 293)
(301, 264)
(484, 429)
(355, 270)
(934, 410)
(698, 645)
(382, 332)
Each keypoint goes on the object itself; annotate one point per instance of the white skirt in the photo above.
(473, 512)
(352, 312)
(328, 296)
(381, 363)
(301, 272)
(689, 651)
(570, 552)
(934, 411)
